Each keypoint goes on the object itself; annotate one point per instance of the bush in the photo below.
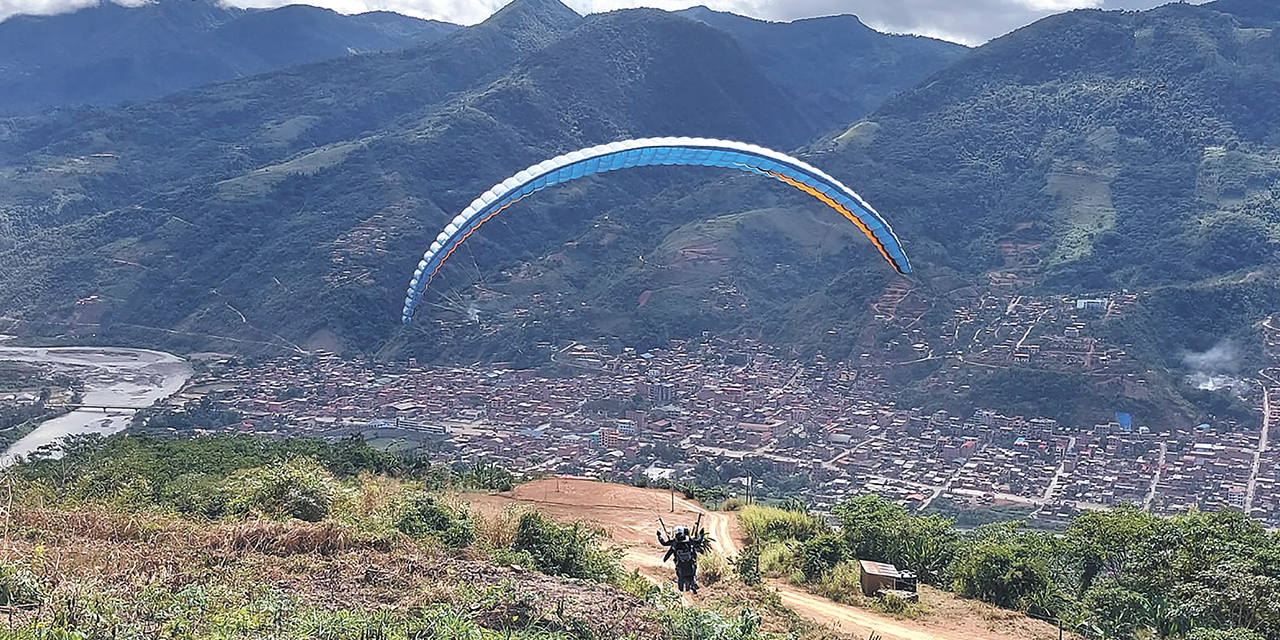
(820, 555)
(712, 567)
(733, 504)
(690, 623)
(638, 585)
(197, 494)
(423, 516)
(486, 476)
(18, 587)
(843, 583)
(499, 530)
(573, 551)
(299, 489)
(779, 559)
(748, 566)
(1219, 634)
(770, 524)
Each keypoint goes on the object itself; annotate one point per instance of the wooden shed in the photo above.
(877, 577)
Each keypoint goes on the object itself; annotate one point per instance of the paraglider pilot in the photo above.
(685, 551)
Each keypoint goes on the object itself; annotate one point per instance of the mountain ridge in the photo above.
(108, 53)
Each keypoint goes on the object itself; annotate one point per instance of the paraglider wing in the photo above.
(648, 152)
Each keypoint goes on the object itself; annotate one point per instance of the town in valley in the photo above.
(735, 411)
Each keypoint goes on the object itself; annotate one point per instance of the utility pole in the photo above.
(673, 495)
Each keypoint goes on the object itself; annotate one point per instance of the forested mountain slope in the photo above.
(108, 53)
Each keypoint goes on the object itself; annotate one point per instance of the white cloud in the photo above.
(968, 21)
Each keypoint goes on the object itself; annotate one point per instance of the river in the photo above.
(112, 377)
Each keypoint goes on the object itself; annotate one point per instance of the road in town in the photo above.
(112, 377)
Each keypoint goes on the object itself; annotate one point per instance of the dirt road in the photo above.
(631, 516)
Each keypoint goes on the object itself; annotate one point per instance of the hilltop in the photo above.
(238, 535)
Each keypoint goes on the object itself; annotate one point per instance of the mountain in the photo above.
(836, 69)
(1136, 150)
(1092, 151)
(317, 243)
(108, 53)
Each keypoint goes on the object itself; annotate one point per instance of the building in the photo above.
(877, 577)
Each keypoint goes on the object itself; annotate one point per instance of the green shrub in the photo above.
(770, 524)
(690, 623)
(18, 587)
(748, 565)
(574, 551)
(299, 488)
(820, 555)
(1221, 634)
(197, 494)
(424, 516)
(779, 559)
(486, 476)
(638, 585)
(843, 583)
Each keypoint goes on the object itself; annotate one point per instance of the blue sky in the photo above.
(968, 21)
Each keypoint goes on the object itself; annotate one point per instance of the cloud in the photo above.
(968, 21)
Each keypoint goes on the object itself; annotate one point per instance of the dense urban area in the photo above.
(721, 412)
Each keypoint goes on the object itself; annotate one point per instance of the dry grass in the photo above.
(712, 568)
(136, 563)
(286, 538)
(497, 530)
(95, 522)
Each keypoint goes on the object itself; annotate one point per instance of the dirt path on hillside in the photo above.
(631, 515)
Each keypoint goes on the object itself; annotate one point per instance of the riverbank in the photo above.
(122, 379)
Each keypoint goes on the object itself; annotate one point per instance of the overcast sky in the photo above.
(967, 21)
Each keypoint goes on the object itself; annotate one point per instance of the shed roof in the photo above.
(879, 569)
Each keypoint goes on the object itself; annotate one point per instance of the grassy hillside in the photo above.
(240, 537)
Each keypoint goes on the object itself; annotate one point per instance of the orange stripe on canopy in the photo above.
(838, 207)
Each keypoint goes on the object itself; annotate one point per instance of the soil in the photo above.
(630, 516)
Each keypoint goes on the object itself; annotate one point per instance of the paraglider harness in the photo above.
(685, 547)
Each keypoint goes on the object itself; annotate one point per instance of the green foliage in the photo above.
(819, 555)
(1224, 634)
(1002, 565)
(424, 516)
(19, 587)
(197, 494)
(300, 488)
(780, 559)
(217, 610)
(135, 471)
(689, 623)
(712, 567)
(747, 565)
(573, 551)
(1117, 612)
(876, 529)
(843, 583)
(486, 477)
